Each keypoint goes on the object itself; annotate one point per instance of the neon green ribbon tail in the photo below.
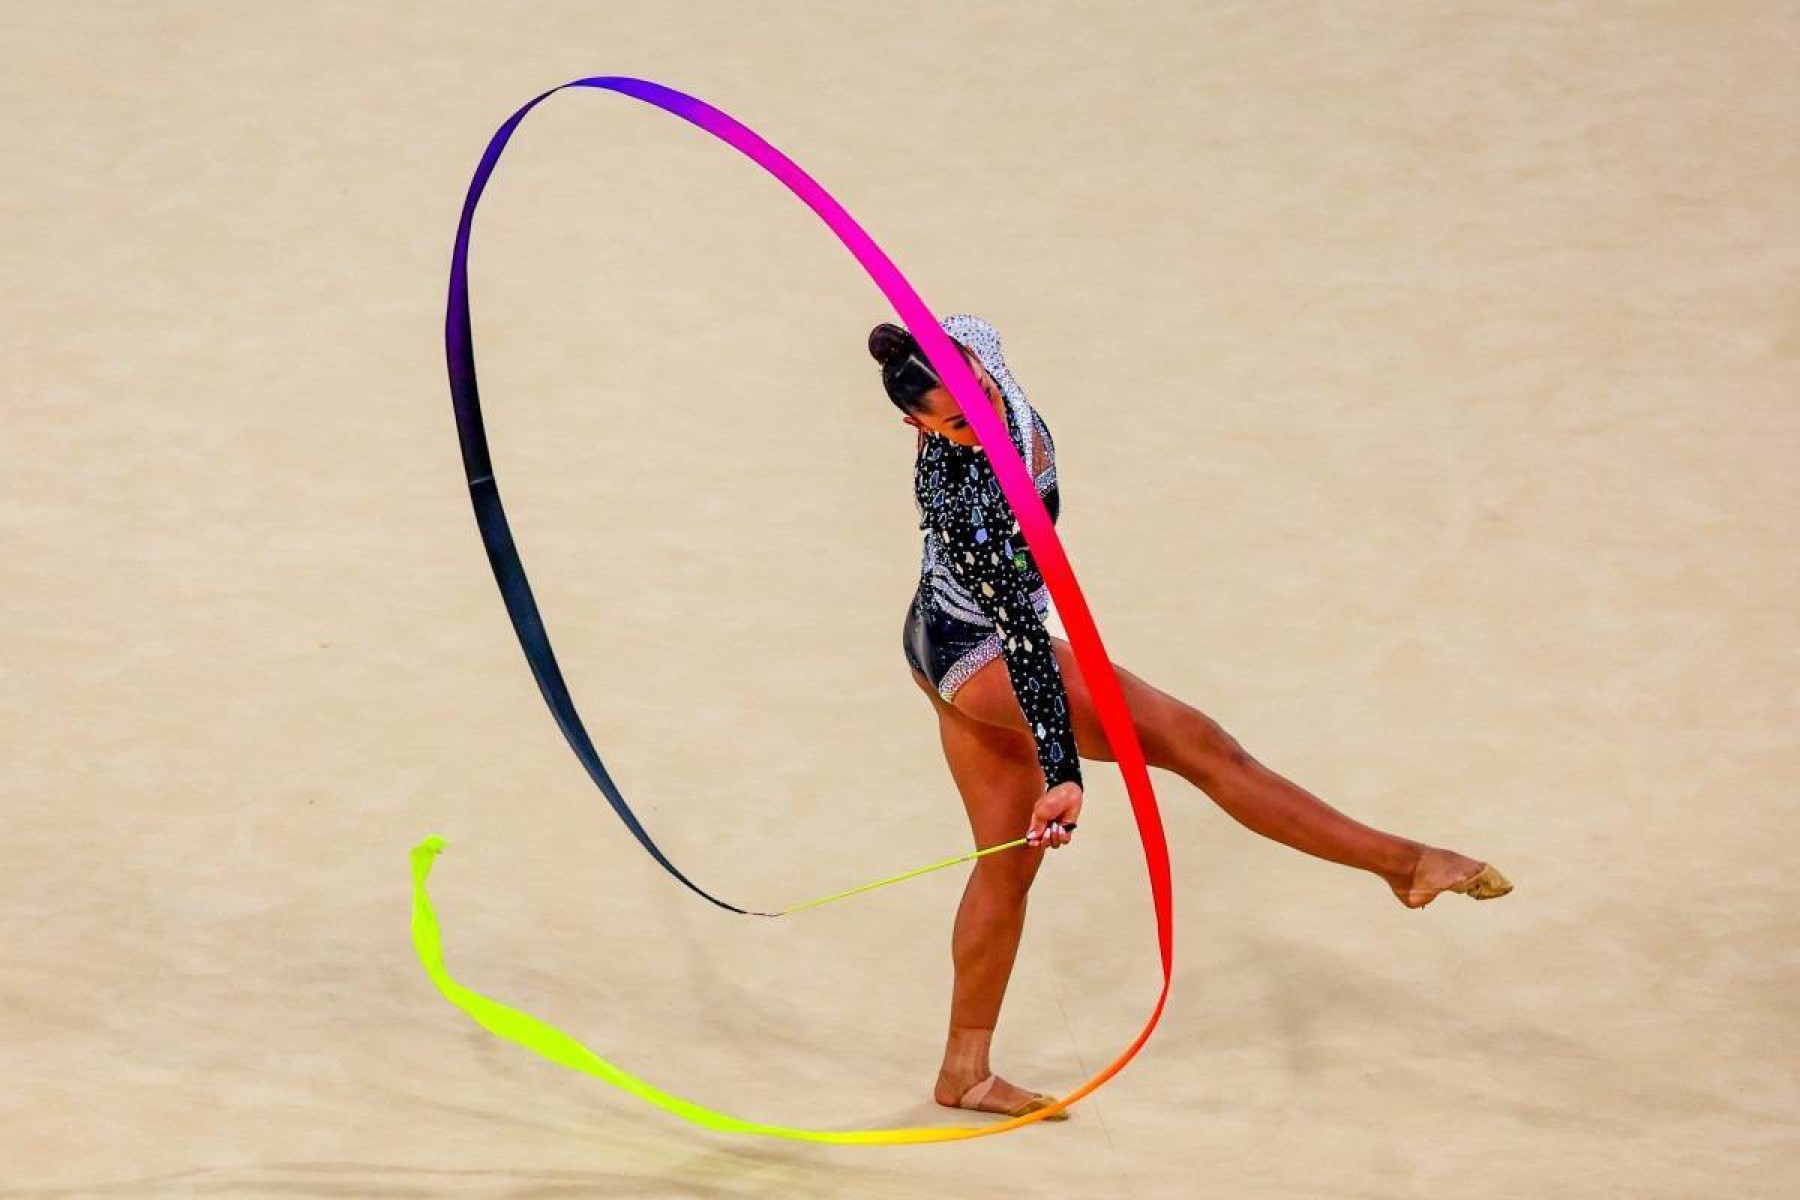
(559, 1047)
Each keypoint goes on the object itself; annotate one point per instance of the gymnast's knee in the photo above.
(1007, 877)
(1212, 754)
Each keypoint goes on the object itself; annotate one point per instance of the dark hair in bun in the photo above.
(906, 373)
(886, 341)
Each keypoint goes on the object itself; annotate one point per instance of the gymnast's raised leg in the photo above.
(1178, 737)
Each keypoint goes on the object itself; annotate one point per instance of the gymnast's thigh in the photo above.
(996, 772)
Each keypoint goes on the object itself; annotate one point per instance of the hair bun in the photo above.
(887, 342)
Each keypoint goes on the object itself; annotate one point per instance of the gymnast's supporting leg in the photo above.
(996, 772)
(1178, 737)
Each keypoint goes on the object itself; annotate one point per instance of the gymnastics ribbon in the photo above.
(1015, 483)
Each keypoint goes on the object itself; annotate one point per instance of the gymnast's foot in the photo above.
(990, 1093)
(1445, 870)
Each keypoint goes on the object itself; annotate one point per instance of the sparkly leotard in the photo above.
(980, 595)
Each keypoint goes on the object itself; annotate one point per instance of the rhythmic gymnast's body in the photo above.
(1015, 717)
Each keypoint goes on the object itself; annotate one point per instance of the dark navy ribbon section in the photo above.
(478, 467)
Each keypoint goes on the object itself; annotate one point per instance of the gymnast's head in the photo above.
(917, 391)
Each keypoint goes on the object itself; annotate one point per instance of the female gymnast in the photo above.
(1014, 737)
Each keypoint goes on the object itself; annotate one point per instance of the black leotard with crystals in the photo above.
(970, 528)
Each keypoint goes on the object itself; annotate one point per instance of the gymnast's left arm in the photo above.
(996, 568)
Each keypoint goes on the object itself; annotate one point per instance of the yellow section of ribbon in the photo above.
(559, 1047)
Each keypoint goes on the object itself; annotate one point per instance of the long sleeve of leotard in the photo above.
(979, 538)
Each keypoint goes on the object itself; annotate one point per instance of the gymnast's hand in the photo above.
(1053, 817)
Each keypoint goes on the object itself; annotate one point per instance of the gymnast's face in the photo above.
(941, 414)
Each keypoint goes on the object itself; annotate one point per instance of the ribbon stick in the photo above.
(902, 877)
(1015, 483)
